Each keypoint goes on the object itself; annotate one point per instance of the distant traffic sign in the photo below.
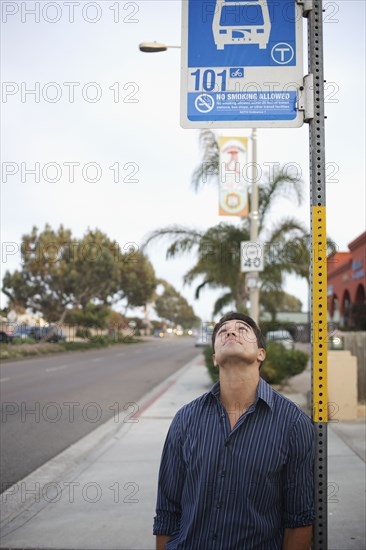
(241, 63)
(251, 256)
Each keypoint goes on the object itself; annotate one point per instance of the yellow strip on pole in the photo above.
(319, 314)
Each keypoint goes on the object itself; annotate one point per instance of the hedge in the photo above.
(280, 364)
(29, 348)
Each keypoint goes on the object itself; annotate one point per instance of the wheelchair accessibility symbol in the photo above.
(204, 103)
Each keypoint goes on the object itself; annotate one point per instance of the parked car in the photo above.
(202, 341)
(22, 331)
(54, 332)
(204, 335)
(281, 337)
(37, 333)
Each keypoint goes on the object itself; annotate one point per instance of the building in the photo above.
(347, 284)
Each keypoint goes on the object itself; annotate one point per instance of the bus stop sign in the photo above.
(241, 63)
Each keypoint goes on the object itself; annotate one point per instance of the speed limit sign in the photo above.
(251, 256)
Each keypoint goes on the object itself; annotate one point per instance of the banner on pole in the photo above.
(233, 194)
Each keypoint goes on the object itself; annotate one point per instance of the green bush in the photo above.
(119, 338)
(28, 347)
(83, 333)
(18, 341)
(27, 350)
(213, 371)
(76, 346)
(100, 341)
(280, 364)
(129, 340)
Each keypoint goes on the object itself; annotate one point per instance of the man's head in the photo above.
(243, 326)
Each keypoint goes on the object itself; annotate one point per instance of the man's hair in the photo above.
(235, 316)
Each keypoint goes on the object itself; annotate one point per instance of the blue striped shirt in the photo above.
(235, 489)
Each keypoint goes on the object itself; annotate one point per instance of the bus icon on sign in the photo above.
(241, 22)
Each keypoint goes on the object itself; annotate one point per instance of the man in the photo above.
(237, 466)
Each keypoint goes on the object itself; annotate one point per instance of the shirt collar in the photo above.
(264, 392)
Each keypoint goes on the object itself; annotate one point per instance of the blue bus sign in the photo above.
(241, 63)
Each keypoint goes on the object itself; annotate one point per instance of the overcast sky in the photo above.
(122, 110)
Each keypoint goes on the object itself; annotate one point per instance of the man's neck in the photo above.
(238, 387)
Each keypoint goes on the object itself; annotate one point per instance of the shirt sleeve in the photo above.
(170, 483)
(299, 508)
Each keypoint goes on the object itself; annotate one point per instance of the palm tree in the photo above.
(218, 248)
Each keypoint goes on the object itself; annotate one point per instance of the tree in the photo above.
(274, 301)
(91, 316)
(218, 259)
(59, 272)
(137, 281)
(116, 321)
(173, 307)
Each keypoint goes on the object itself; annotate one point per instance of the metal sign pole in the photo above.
(254, 292)
(318, 270)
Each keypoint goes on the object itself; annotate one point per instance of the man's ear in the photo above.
(261, 354)
(213, 359)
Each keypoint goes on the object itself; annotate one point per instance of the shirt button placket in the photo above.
(221, 474)
(222, 466)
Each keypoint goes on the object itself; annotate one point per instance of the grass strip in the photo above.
(27, 349)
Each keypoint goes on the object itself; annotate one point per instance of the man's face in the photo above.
(236, 339)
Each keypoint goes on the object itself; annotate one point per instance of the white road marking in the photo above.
(4, 379)
(60, 367)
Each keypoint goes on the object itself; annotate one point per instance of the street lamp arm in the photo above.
(152, 47)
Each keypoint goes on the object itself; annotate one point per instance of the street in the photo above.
(51, 402)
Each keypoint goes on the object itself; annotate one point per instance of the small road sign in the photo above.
(251, 256)
(251, 280)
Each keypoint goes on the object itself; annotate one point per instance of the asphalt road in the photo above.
(51, 402)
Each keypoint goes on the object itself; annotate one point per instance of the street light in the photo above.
(153, 47)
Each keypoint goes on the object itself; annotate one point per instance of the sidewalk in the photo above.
(100, 493)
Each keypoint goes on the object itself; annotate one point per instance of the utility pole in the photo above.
(254, 219)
